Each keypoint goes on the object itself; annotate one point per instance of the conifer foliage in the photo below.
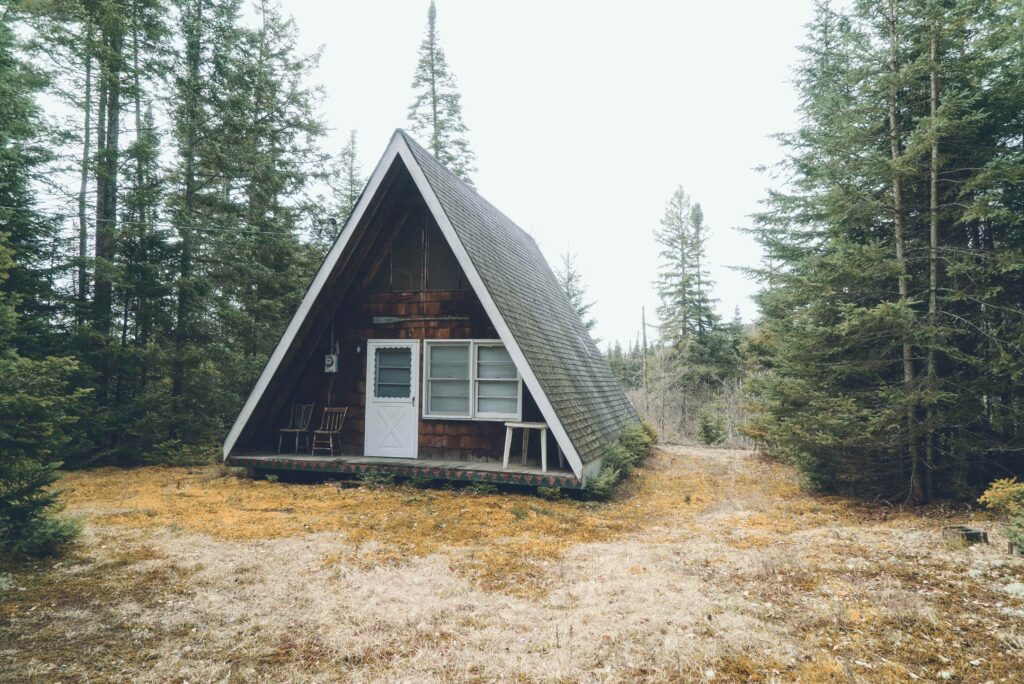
(892, 318)
(691, 330)
(571, 280)
(37, 409)
(435, 115)
(192, 162)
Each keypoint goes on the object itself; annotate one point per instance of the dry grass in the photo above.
(711, 565)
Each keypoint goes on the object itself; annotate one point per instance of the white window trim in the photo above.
(473, 415)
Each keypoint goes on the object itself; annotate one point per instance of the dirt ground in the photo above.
(711, 565)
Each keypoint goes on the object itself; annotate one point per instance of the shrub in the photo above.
(374, 479)
(36, 414)
(549, 493)
(622, 455)
(28, 503)
(481, 488)
(648, 427)
(1007, 496)
(174, 453)
(711, 430)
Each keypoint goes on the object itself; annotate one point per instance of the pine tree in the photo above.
(571, 281)
(346, 182)
(701, 347)
(32, 279)
(892, 246)
(435, 115)
(701, 308)
(35, 406)
(675, 282)
(249, 142)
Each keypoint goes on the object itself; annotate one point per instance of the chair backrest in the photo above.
(301, 415)
(333, 419)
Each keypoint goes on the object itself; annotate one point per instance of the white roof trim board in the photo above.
(413, 157)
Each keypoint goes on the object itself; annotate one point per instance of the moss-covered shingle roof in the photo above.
(572, 373)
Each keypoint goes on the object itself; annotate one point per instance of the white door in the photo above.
(392, 375)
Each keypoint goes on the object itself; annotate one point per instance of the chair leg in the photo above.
(280, 439)
(526, 443)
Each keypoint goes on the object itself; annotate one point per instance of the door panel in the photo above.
(392, 374)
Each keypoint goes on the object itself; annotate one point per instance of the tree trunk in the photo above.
(933, 260)
(106, 203)
(83, 186)
(143, 305)
(182, 333)
(916, 489)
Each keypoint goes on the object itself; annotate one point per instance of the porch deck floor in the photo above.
(466, 471)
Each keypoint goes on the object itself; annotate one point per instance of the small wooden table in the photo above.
(526, 427)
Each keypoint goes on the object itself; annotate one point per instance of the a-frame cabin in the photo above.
(436, 322)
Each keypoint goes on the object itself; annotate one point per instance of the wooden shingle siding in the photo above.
(354, 324)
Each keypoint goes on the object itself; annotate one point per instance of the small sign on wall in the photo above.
(331, 363)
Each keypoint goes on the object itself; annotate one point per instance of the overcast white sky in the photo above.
(585, 116)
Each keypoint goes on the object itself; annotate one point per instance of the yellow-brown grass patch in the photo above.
(709, 566)
(504, 539)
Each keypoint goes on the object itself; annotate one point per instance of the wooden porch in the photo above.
(436, 469)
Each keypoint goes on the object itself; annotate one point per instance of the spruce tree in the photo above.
(675, 282)
(571, 281)
(435, 115)
(36, 407)
(701, 348)
(890, 249)
(346, 182)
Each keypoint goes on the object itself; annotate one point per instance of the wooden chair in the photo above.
(298, 425)
(330, 425)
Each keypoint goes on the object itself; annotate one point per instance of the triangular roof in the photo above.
(578, 395)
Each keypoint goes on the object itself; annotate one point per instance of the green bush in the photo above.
(711, 430)
(549, 493)
(481, 488)
(28, 504)
(622, 455)
(175, 453)
(375, 479)
(1007, 497)
(652, 434)
(36, 414)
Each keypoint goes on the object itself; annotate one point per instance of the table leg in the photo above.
(544, 450)
(508, 447)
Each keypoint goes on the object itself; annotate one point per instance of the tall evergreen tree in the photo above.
(346, 182)
(36, 407)
(32, 279)
(700, 346)
(435, 115)
(675, 282)
(571, 280)
(892, 249)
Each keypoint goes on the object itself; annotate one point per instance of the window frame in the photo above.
(473, 414)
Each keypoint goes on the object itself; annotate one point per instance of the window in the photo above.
(443, 271)
(418, 259)
(448, 379)
(393, 376)
(497, 382)
(471, 379)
